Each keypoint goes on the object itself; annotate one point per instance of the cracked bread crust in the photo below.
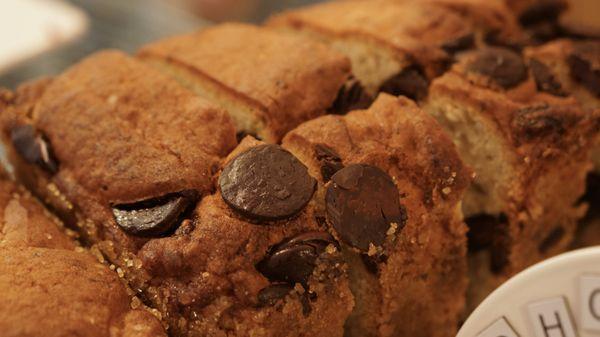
(418, 290)
(282, 80)
(206, 275)
(59, 292)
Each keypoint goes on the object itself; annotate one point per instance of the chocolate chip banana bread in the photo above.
(523, 144)
(50, 286)
(117, 150)
(389, 190)
(569, 68)
(124, 154)
(268, 82)
(398, 46)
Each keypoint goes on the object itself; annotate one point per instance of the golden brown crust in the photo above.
(56, 293)
(396, 136)
(416, 31)
(287, 79)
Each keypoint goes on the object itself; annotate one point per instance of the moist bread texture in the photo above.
(523, 144)
(268, 82)
(413, 281)
(398, 46)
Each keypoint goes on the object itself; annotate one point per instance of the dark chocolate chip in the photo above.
(503, 66)
(154, 217)
(483, 229)
(584, 63)
(362, 204)
(552, 239)
(273, 293)
(542, 120)
(329, 159)
(410, 82)
(351, 96)
(461, 43)
(34, 147)
(542, 10)
(242, 134)
(266, 183)
(544, 79)
(293, 260)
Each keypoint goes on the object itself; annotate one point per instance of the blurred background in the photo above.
(43, 37)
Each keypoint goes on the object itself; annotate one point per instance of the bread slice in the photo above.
(398, 46)
(569, 67)
(267, 81)
(523, 145)
(413, 282)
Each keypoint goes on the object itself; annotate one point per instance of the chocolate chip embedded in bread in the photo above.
(351, 96)
(329, 159)
(584, 63)
(410, 82)
(293, 260)
(505, 67)
(363, 204)
(542, 10)
(544, 79)
(273, 293)
(266, 183)
(154, 217)
(33, 147)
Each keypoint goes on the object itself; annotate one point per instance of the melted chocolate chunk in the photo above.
(584, 63)
(503, 66)
(34, 147)
(329, 159)
(542, 10)
(293, 261)
(351, 96)
(552, 239)
(362, 204)
(543, 120)
(461, 43)
(410, 82)
(544, 79)
(266, 183)
(154, 217)
(273, 293)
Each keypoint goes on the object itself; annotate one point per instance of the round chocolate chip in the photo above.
(410, 82)
(584, 63)
(266, 183)
(33, 147)
(154, 217)
(362, 204)
(544, 79)
(503, 66)
(273, 293)
(351, 96)
(293, 260)
(329, 159)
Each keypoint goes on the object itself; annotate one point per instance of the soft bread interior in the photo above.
(372, 63)
(483, 150)
(247, 118)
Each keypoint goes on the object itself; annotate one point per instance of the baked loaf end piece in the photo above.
(398, 46)
(569, 67)
(49, 288)
(253, 260)
(268, 82)
(390, 185)
(118, 150)
(523, 145)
